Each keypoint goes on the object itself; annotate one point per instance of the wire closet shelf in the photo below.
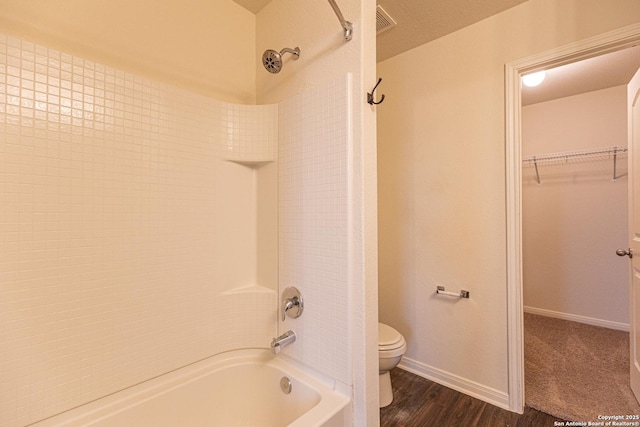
(609, 153)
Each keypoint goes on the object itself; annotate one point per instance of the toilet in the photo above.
(391, 347)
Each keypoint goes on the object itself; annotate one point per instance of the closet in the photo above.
(574, 195)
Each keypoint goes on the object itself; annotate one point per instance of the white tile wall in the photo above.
(112, 233)
(250, 132)
(313, 221)
(115, 233)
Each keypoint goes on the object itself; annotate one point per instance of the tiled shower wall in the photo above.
(127, 237)
(313, 218)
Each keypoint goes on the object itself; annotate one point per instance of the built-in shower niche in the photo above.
(246, 187)
(246, 260)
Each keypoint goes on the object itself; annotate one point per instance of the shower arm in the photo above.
(346, 25)
(295, 52)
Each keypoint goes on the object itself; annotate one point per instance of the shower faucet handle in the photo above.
(292, 304)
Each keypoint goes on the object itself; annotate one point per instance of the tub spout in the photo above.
(283, 340)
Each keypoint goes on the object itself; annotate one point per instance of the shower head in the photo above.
(272, 60)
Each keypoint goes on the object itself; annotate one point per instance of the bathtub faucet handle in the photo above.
(292, 304)
(288, 305)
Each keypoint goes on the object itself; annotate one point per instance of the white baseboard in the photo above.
(457, 383)
(576, 318)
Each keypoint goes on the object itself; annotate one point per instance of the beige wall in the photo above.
(441, 150)
(576, 218)
(205, 46)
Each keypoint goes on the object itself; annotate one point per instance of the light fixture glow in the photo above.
(533, 79)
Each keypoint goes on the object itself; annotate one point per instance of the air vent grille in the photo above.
(384, 22)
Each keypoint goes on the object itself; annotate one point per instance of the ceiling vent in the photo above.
(384, 22)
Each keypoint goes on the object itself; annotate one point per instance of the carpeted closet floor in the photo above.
(576, 371)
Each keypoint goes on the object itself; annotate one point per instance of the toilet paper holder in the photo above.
(462, 294)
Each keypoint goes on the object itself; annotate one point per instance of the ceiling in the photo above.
(600, 72)
(421, 21)
(252, 5)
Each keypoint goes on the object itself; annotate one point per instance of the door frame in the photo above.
(584, 49)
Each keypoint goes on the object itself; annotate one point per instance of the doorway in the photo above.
(574, 217)
(574, 191)
(589, 48)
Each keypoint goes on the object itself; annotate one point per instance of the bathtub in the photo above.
(239, 388)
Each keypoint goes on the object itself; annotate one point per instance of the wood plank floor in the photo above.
(419, 402)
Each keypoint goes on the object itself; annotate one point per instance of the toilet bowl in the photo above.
(391, 347)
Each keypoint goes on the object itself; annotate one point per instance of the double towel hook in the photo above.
(370, 94)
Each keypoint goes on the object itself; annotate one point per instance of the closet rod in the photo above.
(575, 156)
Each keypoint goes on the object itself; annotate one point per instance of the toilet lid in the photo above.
(387, 336)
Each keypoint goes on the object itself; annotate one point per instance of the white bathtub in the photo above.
(240, 388)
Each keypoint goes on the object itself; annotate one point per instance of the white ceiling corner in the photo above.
(252, 5)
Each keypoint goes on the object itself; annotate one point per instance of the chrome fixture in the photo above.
(285, 385)
(282, 341)
(272, 60)
(347, 26)
(292, 304)
(462, 294)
